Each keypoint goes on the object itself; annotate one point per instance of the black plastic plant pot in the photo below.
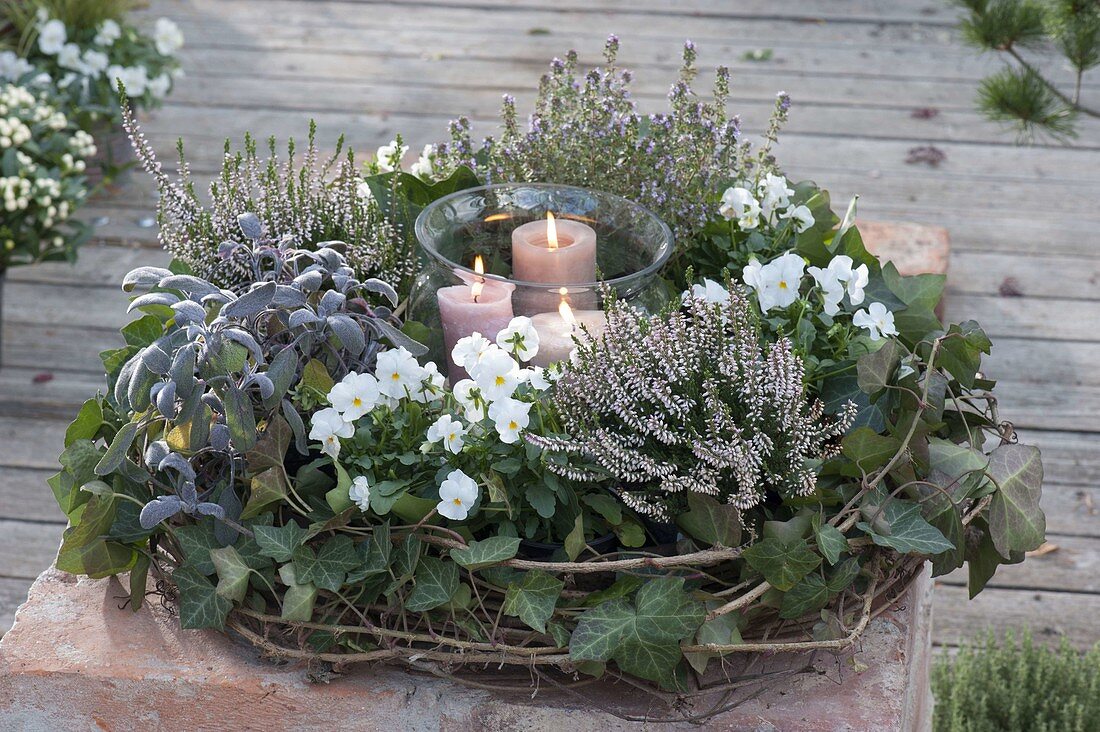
(541, 551)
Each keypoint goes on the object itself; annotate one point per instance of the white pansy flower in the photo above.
(519, 338)
(52, 37)
(448, 430)
(389, 156)
(398, 373)
(134, 78)
(877, 320)
(739, 203)
(424, 168)
(710, 291)
(95, 62)
(831, 280)
(467, 352)
(354, 396)
(430, 388)
(539, 379)
(69, 58)
(12, 66)
(775, 195)
(327, 428)
(167, 36)
(468, 396)
(496, 375)
(160, 85)
(800, 216)
(776, 283)
(856, 282)
(457, 495)
(509, 417)
(360, 492)
(109, 32)
(363, 190)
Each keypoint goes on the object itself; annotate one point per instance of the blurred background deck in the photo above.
(883, 106)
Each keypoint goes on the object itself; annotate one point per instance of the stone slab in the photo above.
(75, 661)
(913, 248)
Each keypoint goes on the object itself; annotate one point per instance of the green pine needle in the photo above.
(1021, 98)
(998, 25)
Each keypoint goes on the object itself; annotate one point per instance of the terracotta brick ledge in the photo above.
(74, 661)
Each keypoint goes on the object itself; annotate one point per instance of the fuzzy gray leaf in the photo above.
(289, 297)
(246, 340)
(349, 333)
(140, 388)
(260, 381)
(178, 463)
(303, 316)
(332, 302)
(309, 280)
(382, 288)
(296, 426)
(210, 509)
(159, 509)
(189, 284)
(122, 384)
(211, 400)
(219, 437)
(399, 339)
(183, 371)
(157, 451)
(144, 277)
(251, 303)
(281, 371)
(156, 360)
(166, 400)
(152, 298)
(250, 226)
(112, 459)
(189, 311)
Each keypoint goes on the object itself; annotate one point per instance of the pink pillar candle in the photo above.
(465, 311)
(555, 252)
(558, 330)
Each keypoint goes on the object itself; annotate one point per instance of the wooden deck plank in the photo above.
(1049, 615)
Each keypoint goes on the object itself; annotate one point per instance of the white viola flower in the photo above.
(774, 194)
(69, 58)
(327, 428)
(430, 388)
(109, 32)
(450, 431)
(739, 203)
(398, 373)
(52, 37)
(800, 216)
(776, 283)
(539, 378)
(424, 168)
(831, 280)
(363, 190)
(468, 395)
(389, 156)
(360, 492)
(467, 352)
(857, 281)
(877, 320)
(134, 78)
(710, 291)
(519, 338)
(95, 62)
(509, 417)
(12, 66)
(167, 37)
(457, 495)
(354, 396)
(496, 375)
(160, 85)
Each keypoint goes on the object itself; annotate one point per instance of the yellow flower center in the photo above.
(782, 284)
(396, 376)
(357, 402)
(457, 501)
(512, 425)
(500, 381)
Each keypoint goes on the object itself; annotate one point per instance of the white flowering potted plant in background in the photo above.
(86, 49)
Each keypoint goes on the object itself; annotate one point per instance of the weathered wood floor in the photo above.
(871, 80)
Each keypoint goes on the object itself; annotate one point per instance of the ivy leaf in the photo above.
(808, 595)
(875, 370)
(435, 581)
(961, 354)
(782, 564)
(279, 542)
(270, 449)
(232, 573)
(721, 630)
(196, 541)
(868, 450)
(901, 527)
(267, 488)
(87, 423)
(829, 539)
(711, 522)
(1016, 522)
(532, 598)
(837, 391)
(406, 557)
(299, 598)
(487, 552)
(200, 604)
(328, 567)
(842, 575)
(375, 554)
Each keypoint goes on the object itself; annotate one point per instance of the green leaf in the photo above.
(406, 557)
(279, 542)
(837, 391)
(869, 451)
(876, 370)
(781, 564)
(843, 575)
(542, 499)
(139, 577)
(830, 540)
(919, 291)
(532, 598)
(200, 605)
(487, 552)
(606, 506)
(316, 377)
(112, 460)
(328, 567)
(270, 449)
(196, 541)
(374, 553)
(298, 602)
(574, 541)
(711, 522)
(143, 331)
(722, 631)
(901, 527)
(232, 573)
(240, 418)
(339, 498)
(631, 534)
(809, 595)
(87, 423)
(267, 488)
(961, 354)
(435, 584)
(1016, 522)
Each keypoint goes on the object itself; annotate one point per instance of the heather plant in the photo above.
(587, 131)
(692, 404)
(42, 161)
(301, 201)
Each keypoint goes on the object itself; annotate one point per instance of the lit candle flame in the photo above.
(565, 311)
(551, 232)
(477, 286)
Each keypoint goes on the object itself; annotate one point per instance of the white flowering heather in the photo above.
(43, 181)
(301, 200)
(587, 131)
(692, 402)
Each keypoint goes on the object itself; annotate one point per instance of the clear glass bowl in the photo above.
(601, 239)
